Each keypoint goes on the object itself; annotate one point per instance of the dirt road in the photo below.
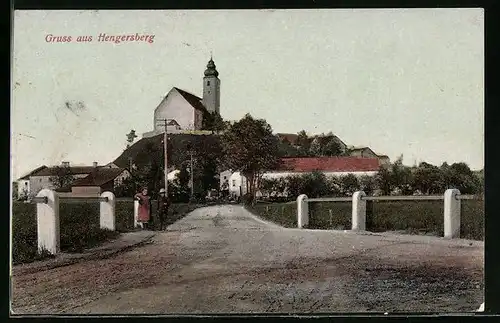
(222, 259)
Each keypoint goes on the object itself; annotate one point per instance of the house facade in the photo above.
(368, 153)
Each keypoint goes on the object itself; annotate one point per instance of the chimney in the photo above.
(65, 164)
(94, 164)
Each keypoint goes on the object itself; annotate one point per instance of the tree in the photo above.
(349, 184)
(314, 184)
(401, 177)
(384, 181)
(315, 148)
(62, 177)
(286, 149)
(213, 121)
(149, 170)
(131, 137)
(429, 179)
(126, 188)
(367, 184)
(303, 143)
(251, 148)
(461, 177)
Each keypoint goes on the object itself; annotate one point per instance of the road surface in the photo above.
(222, 259)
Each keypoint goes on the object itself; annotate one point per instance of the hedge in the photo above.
(424, 217)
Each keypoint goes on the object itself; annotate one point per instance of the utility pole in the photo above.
(165, 153)
(192, 177)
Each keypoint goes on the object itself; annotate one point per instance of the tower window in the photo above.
(208, 83)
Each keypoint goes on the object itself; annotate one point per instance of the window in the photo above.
(225, 177)
(208, 83)
(234, 182)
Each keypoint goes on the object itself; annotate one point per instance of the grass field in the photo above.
(79, 226)
(414, 217)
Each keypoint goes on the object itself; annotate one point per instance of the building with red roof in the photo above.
(330, 166)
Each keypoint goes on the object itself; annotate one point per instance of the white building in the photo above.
(184, 110)
(330, 166)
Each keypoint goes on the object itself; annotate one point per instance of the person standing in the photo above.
(144, 216)
(163, 205)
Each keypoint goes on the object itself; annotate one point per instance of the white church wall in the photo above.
(174, 106)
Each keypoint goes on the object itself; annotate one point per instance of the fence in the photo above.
(451, 216)
(48, 230)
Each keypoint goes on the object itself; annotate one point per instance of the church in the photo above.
(183, 111)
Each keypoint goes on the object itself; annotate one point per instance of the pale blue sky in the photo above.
(399, 81)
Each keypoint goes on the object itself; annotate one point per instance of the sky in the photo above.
(403, 82)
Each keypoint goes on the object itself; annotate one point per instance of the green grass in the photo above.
(79, 226)
(424, 217)
(284, 214)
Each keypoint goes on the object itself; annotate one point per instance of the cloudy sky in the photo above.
(399, 81)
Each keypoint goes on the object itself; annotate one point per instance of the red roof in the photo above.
(329, 164)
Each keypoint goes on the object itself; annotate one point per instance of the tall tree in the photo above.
(303, 143)
(131, 137)
(62, 177)
(214, 122)
(251, 148)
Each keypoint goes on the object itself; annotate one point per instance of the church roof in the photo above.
(211, 69)
(194, 100)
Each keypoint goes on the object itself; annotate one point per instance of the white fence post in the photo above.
(136, 214)
(358, 211)
(107, 216)
(48, 222)
(302, 211)
(451, 214)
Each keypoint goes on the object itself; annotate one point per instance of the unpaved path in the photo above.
(222, 259)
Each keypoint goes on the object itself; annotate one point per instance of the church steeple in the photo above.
(211, 70)
(211, 87)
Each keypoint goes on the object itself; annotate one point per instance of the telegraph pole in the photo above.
(191, 166)
(165, 154)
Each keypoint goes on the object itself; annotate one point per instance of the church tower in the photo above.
(211, 88)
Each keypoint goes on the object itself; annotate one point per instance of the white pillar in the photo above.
(451, 214)
(48, 222)
(136, 214)
(358, 211)
(107, 214)
(302, 211)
